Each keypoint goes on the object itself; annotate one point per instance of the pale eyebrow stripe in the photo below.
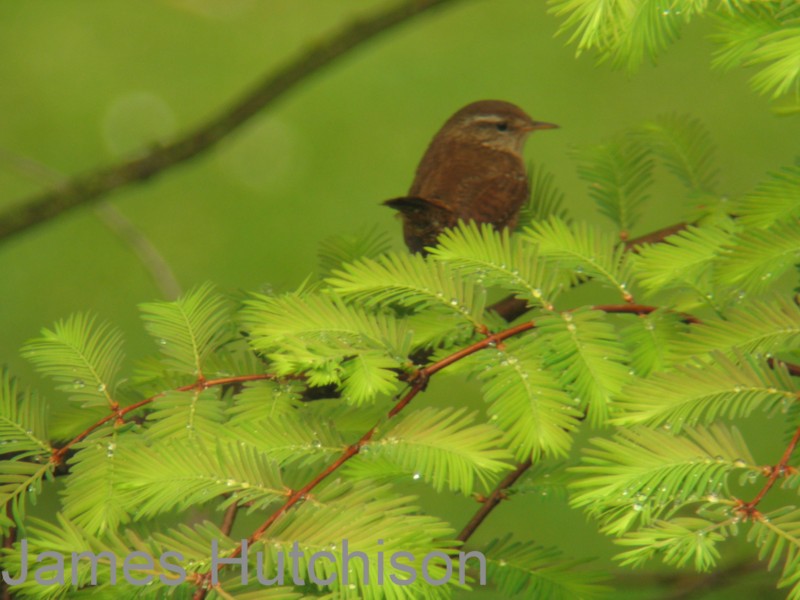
(488, 119)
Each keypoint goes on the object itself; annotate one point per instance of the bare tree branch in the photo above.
(147, 252)
(91, 186)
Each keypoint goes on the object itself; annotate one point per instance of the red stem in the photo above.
(779, 470)
(58, 454)
(418, 384)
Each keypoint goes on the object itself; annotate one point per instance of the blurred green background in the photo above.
(88, 82)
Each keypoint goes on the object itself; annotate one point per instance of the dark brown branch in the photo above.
(654, 237)
(91, 186)
(490, 503)
(640, 309)
(229, 519)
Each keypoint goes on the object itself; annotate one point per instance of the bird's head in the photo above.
(493, 123)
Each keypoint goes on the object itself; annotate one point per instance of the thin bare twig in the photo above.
(492, 500)
(229, 519)
(119, 224)
(143, 247)
(98, 183)
(750, 509)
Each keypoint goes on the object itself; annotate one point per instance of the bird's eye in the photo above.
(502, 126)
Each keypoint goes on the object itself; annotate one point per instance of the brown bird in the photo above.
(472, 170)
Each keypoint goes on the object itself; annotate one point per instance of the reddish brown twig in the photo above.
(640, 309)
(654, 237)
(749, 510)
(418, 384)
(58, 454)
(229, 518)
(489, 503)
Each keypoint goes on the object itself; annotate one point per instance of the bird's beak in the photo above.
(541, 125)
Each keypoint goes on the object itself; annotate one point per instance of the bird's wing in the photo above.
(498, 200)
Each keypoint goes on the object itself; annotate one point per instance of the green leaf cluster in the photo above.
(760, 35)
(246, 402)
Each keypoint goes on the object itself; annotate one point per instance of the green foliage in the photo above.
(642, 474)
(704, 390)
(411, 282)
(329, 341)
(26, 448)
(654, 341)
(188, 330)
(678, 541)
(757, 256)
(83, 358)
(686, 262)
(777, 198)
(526, 401)
(776, 536)
(490, 256)
(529, 571)
(546, 199)
(765, 35)
(443, 448)
(339, 250)
(585, 349)
(685, 148)
(584, 251)
(619, 174)
(176, 474)
(294, 408)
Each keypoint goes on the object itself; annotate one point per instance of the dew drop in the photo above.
(416, 476)
(78, 384)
